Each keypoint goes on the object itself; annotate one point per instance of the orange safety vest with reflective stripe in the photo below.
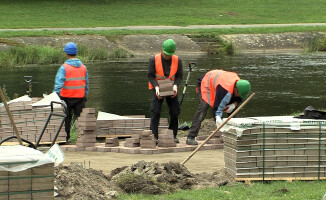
(75, 82)
(159, 73)
(214, 78)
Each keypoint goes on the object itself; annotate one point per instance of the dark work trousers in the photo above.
(73, 104)
(199, 116)
(174, 111)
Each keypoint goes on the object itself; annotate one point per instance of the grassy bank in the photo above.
(275, 190)
(34, 54)
(102, 13)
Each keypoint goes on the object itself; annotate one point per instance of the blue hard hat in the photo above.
(71, 48)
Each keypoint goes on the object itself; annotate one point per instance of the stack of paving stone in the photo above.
(134, 141)
(216, 139)
(147, 140)
(166, 87)
(86, 126)
(111, 142)
(35, 183)
(166, 138)
(276, 152)
(124, 127)
(30, 122)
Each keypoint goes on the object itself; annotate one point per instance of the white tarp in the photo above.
(22, 98)
(18, 158)
(46, 101)
(241, 124)
(110, 116)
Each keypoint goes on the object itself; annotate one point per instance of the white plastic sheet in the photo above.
(18, 158)
(295, 124)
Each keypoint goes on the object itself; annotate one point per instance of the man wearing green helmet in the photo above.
(221, 90)
(165, 65)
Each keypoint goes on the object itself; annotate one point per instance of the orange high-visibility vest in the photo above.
(214, 78)
(75, 82)
(159, 73)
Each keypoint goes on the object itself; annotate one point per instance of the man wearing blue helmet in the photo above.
(71, 84)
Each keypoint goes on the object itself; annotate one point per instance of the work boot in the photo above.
(68, 141)
(191, 141)
(176, 140)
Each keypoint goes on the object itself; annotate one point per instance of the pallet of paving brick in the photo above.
(21, 177)
(276, 151)
(32, 183)
(29, 121)
(110, 125)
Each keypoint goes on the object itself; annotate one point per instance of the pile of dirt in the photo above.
(75, 182)
(153, 178)
(207, 127)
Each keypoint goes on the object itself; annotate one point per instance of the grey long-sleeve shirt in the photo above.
(166, 69)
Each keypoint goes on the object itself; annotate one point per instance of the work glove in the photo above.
(175, 89)
(229, 108)
(218, 121)
(157, 90)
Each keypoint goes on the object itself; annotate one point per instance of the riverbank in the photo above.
(144, 45)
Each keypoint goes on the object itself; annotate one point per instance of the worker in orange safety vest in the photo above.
(165, 65)
(71, 84)
(221, 90)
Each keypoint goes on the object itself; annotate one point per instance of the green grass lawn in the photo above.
(276, 190)
(91, 13)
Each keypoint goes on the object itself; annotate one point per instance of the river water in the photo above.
(284, 84)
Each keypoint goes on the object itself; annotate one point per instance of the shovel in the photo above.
(191, 66)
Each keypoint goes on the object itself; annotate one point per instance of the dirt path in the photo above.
(203, 161)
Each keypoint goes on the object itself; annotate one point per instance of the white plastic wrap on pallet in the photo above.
(241, 124)
(18, 158)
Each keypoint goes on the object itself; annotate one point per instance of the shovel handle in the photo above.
(10, 117)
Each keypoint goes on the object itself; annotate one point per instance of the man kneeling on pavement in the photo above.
(221, 90)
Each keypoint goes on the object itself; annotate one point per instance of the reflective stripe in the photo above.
(163, 77)
(74, 87)
(160, 77)
(75, 79)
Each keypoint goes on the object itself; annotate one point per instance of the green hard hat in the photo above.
(244, 88)
(169, 47)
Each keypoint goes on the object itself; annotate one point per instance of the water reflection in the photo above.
(283, 83)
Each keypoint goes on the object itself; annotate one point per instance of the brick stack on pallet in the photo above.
(124, 127)
(276, 152)
(35, 183)
(30, 122)
(147, 140)
(86, 126)
(111, 142)
(166, 138)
